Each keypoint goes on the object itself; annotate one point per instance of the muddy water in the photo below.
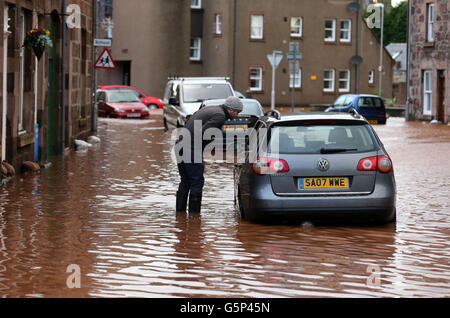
(109, 212)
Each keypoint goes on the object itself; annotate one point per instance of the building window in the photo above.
(196, 4)
(196, 45)
(427, 92)
(257, 26)
(430, 22)
(330, 30)
(344, 81)
(218, 24)
(256, 78)
(346, 31)
(328, 81)
(296, 26)
(297, 80)
(371, 76)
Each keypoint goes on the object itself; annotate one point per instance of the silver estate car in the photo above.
(316, 166)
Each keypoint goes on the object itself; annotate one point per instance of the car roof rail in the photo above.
(273, 113)
(198, 78)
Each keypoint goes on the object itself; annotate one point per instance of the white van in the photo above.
(184, 95)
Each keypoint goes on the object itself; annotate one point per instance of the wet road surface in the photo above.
(109, 211)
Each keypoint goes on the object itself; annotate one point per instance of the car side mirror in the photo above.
(174, 101)
(101, 101)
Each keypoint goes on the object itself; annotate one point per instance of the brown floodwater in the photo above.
(109, 212)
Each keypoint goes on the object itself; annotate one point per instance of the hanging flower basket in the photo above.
(38, 39)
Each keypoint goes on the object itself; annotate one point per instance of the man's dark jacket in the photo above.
(211, 116)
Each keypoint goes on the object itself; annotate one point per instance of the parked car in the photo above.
(120, 104)
(149, 101)
(183, 96)
(239, 94)
(316, 166)
(239, 126)
(370, 106)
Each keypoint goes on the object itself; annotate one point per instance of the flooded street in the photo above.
(110, 211)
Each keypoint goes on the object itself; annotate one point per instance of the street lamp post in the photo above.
(381, 69)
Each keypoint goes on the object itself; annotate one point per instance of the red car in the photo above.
(120, 104)
(149, 101)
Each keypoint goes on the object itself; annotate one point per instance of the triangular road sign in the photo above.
(105, 60)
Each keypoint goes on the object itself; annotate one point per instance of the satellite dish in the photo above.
(356, 60)
(353, 6)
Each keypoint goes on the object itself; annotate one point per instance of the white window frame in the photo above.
(298, 78)
(218, 22)
(345, 80)
(427, 92)
(21, 71)
(197, 48)
(196, 4)
(330, 79)
(430, 22)
(332, 29)
(299, 33)
(371, 76)
(256, 35)
(258, 78)
(348, 30)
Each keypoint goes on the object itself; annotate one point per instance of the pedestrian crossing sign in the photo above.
(105, 60)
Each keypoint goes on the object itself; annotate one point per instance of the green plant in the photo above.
(38, 37)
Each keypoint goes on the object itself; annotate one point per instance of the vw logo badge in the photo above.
(323, 165)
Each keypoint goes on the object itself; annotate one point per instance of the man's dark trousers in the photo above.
(192, 179)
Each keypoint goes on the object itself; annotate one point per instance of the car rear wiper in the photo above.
(336, 150)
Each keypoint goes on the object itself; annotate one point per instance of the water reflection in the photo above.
(110, 210)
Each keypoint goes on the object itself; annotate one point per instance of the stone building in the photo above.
(232, 38)
(34, 92)
(430, 60)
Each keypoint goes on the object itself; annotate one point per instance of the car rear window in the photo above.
(251, 108)
(310, 139)
(370, 102)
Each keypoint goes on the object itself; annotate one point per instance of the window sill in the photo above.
(257, 40)
(329, 92)
(195, 61)
(349, 43)
(257, 91)
(428, 45)
(330, 42)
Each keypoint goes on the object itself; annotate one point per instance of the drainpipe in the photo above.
(63, 76)
(234, 42)
(6, 33)
(94, 70)
(36, 125)
(407, 106)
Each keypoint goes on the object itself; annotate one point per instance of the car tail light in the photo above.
(263, 166)
(384, 164)
(381, 163)
(368, 164)
(382, 115)
(278, 166)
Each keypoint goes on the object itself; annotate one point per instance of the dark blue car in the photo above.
(369, 106)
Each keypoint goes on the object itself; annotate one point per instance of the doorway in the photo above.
(441, 96)
(53, 76)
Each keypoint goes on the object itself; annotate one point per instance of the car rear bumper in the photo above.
(125, 115)
(380, 203)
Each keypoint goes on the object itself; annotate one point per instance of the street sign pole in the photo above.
(272, 98)
(274, 59)
(293, 85)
